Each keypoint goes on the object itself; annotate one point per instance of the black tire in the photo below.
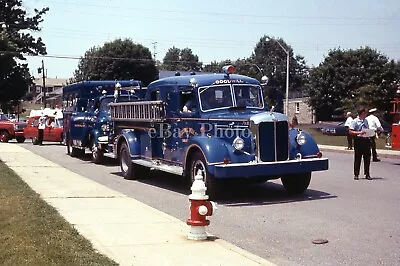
(4, 136)
(296, 184)
(76, 152)
(129, 170)
(198, 162)
(35, 141)
(97, 154)
(20, 139)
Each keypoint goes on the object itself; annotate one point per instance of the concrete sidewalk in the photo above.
(122, 228)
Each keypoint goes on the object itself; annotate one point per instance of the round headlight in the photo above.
(301, 139)
(104, 127)
(238, 143)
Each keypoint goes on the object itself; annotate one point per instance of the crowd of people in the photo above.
(362, 132)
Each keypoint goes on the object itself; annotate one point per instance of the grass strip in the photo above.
(33, 233)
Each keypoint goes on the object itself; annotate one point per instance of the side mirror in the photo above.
(264, 80)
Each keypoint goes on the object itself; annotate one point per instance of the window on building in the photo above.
(297, 105)
(38, 89)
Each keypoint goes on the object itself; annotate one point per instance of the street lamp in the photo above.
(287, 73)
(264, 79)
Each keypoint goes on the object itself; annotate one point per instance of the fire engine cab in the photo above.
(217, 124)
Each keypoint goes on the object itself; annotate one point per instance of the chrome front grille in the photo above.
(273, 141)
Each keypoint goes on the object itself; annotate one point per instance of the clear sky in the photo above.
(214, 30)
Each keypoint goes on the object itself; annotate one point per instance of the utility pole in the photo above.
(41, 70)
(154, 51)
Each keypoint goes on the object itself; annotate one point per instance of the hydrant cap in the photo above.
(203, 210)
(198, 188)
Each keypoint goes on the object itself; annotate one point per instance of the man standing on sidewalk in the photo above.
(362, 144)
(347, 125)
(375, 124)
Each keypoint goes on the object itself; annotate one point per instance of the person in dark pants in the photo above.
(375, 124)
(347, 124)
(41, 127)
(362, 144)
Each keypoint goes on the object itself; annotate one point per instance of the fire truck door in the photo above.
(78, 123)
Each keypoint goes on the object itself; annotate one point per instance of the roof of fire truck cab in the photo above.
(95, 83)
(201, 80)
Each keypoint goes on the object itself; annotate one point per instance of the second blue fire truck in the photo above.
(86, 111)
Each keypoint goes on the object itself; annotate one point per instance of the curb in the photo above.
(381, 153)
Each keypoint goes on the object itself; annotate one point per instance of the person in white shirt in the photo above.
(375, 124)
(41, 127)
(362, 144)
(347, 125)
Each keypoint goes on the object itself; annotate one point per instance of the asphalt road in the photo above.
(360, 219)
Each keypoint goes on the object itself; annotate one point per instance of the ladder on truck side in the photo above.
(141, 111)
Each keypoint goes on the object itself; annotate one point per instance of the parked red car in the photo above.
(11, 130)
(53, 130)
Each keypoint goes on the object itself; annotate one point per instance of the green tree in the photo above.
(216, 66)
(171, 59)
(184, 60)
(16, 41)
(269, 56)
(189, 61)
(349, 78)
(119, 59)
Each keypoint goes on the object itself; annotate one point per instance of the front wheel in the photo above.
(35, 141)
(296, 184)
(76, 152)
(129, 170)
(20, 139)
(198, 163)
(4, 136)
(97, 154)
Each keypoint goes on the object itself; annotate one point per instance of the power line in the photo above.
(224, 21)
(222, 13)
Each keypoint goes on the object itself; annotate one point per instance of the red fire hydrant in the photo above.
(200, 208)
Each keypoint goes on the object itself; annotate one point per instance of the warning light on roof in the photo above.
(228, 69)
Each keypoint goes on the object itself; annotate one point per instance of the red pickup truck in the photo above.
(11, 130)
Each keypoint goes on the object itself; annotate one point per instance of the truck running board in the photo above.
(177, 170)
(110, 155)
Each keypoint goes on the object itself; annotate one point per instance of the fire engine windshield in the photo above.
(249, 96)
(216, 97)
(221, 97)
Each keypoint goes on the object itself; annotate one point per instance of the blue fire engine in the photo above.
(217, 125)
(87, 114)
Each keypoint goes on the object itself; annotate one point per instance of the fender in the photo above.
(133, 141)
(308, 150)
(215, 151)
(94, 135)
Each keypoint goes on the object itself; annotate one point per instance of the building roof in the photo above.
(50, 82)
